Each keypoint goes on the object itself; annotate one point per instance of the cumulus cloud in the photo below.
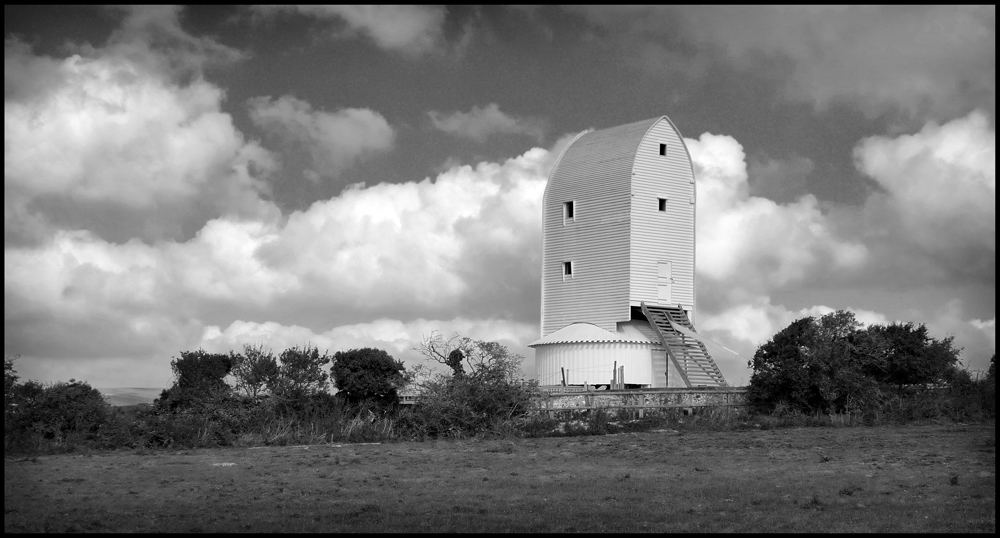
(105, 142)
(412, 247)
(940, 193)
(932, 225)
(384, 265)
(463, 244)
(334, 140)
(409, 29)
(749, 324)
(755, 322)
(748, 244)
(395, 336)
(480, 123)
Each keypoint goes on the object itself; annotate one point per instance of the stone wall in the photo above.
(641, 399)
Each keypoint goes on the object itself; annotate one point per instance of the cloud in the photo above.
(748, 244)
(918, 57)
(384, 264)
(780, 180)
(333, 140)
(931, 229)
(153, 36)
(114, 147)
(938, 60)
(408, 29)
(939, 194)
(395, 336)
(421, 247)
(977, 337)
(751, 323)
(758, 320)
(464, 247)
(481, 123)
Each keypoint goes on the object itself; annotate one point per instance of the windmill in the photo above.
(618, 263)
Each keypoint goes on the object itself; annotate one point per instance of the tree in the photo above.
(199, 378)
(454, 361)
(914, 358)
(10, 378)
(483, 393)
(368, 374)
(834, 364)
(301, 374)
(254, 370)
(69, 407)
(480, 358)
(55, 410)
(817, 366)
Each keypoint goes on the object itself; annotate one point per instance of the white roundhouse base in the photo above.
(593, 362)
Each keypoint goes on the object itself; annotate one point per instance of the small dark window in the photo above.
(567, 268)
(568, 210)
(663, 149)
(662, 204)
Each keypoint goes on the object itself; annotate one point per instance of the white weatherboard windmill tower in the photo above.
(618, 247)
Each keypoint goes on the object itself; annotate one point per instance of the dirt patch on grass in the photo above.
(904, 479)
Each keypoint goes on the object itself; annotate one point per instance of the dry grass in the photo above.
(938, 478)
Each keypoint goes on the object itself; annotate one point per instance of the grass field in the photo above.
(931, 478)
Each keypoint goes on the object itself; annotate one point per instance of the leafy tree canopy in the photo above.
(255, 371)
(834, 363)
(368, 374)
(301, 374)
(199, 376)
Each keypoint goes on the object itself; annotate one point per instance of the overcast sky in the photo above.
(362, 176)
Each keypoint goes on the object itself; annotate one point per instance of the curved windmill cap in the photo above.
(578, 333)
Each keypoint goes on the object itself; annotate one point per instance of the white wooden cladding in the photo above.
(592, 362)
(659, 237)
(617, 238)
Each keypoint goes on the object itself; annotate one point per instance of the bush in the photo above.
(485, 396)
(301, 374)
(254, 371)
(199, 379)
(833, 365)
(368, 374)
(51, 415)
(10, 378)
(817, 366)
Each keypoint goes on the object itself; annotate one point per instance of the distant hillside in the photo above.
(131, 395)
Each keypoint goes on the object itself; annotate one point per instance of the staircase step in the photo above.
(691, 354)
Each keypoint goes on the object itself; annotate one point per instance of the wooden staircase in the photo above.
(689, 355)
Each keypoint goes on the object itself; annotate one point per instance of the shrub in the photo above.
(368, 374)
(10, 378)
(254, 370)
(199, 378)
(834, 365)
(912, 356)
(49, 415)
(301, 374)
(486, 396)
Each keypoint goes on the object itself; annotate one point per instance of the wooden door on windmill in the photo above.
(665, 283)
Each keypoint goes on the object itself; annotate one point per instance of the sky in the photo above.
(350, 176)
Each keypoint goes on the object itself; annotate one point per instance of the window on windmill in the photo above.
(661, 204)
(663, 149)
(567, 268)
(568, 210)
